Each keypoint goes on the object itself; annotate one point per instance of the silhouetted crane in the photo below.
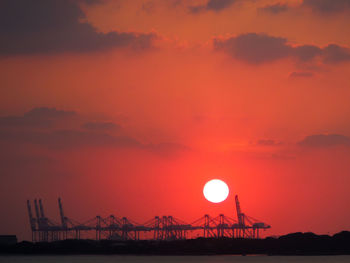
(158, 228)
(243, 229)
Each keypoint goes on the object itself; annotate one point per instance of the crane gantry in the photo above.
(158, 228)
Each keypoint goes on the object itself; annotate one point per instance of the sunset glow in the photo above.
(129, 107)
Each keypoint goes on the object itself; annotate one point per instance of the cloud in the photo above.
(35, 118)
(268, 142)
(256, 48)
(75, 139)
(327, 6)
(100, 126)
(302, 74)
(54, 26)
(335, 54)
(320, 7)
(48, 113)
(65, 137)
(91, 2)
(94, 134)
(212, 5)
(274, 9)
(167, 149)
(325, 140)
(61, 139)
(13, 160)
(149, 7)
(217, 5)
(306, 52)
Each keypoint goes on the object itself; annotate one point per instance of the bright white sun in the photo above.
(215, 191)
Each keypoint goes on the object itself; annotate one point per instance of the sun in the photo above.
(216, 191)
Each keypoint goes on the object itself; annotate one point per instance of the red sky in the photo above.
(129, 107)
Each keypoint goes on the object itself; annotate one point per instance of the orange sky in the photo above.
(129, 107)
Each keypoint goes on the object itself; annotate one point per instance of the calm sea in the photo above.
(173, 259)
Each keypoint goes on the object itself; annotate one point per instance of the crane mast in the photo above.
(37, 212)
(42, 215)
(63, 218)
(240, 215)
(30, 214)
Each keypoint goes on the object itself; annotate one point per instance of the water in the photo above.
(174, 259)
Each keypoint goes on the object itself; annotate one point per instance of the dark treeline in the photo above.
(291, 244)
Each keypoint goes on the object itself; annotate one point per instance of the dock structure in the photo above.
(158, 228)
(8, 240)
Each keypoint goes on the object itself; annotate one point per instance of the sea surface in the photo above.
(174, 259)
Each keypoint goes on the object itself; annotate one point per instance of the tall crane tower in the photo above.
(241, 218)
(63, 219)
(240, 215)
(248, 226)
(32, 220)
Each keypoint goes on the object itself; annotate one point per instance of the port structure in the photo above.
(158, 228)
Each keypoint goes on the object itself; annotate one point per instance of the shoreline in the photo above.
(295, 244)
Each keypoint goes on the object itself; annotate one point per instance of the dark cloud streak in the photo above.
(101, 126)
(267, 142)
(256, 48)
(336, 54)
(319, 7)
(274, 9)
(325, 141)
(37, 127)
(64, 139)
(212, 5)
(327, 6)
(55, 26)
(36, 118)
(302, 74)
